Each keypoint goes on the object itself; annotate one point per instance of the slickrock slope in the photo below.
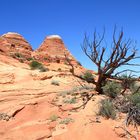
(32, 108)
(38, 105)
(13, 44)
(52, 50)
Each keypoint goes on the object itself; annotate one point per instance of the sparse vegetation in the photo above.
(18, 55)
(134, 87)
(76, 90)
(64, 93)
(128, 82)
(4, 116)
(30, 58)
(87, 87)
(70, 101)
(135, 99)
(43, 69)
(45, 58)
(37, 65)
(59, 69)
(66, 121)
(53, 117)
(88, 76)
(107, 109)
(112, 88)
(55, 82)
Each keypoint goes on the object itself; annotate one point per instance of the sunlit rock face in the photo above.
(53, 50)
(11, 43)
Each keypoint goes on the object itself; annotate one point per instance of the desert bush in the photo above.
(59, 69)
(43, 69)
(64, 93)
(35, 65)
(55, 82)
(69, 92)
(66, 121)
(88, 76)
(134, 99)
(18, 55)
(107, 109)
(45, 58)
(134, 87)
(4, 116)
(87, 87)
(70, 101)
(127, 81)
(112, 89)
(30, 58)
(53, 117)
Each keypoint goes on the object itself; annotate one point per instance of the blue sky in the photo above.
(35, 19)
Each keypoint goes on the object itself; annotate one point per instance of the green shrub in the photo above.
(112, 89)
(107, 109)
(134, 87)
(53, 117)
(18, 55)
(55, 82)
(70, 101)
(64, 93)
(135, 99)
(35, 65)
(127, 80)
(66, 121)
(88, 76)
(30, 58)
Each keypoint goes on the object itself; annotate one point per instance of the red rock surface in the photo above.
(11, 43)
(32, 108)
(52, 50)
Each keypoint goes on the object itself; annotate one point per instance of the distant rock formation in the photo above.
(13, 43)
(52, 50)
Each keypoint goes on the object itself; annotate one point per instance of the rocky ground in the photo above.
(38, 105)
(32, 108)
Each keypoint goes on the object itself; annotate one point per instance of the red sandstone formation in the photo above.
(32, 108)
(52, 50)
(14, 43)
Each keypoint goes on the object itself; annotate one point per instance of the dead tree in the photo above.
(121, 53)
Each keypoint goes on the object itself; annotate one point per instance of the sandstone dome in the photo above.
(12, 42)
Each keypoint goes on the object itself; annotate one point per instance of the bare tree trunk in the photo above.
(101, 80)
(120, 55)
